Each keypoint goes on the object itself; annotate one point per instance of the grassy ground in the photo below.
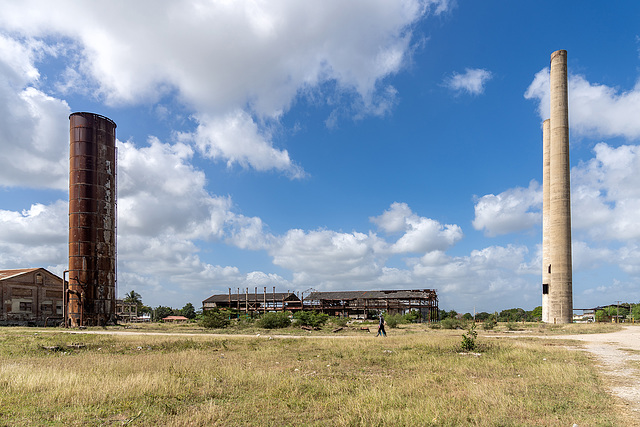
(416, 376)
(354, 328)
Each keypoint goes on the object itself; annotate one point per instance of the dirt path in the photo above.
(618, 355)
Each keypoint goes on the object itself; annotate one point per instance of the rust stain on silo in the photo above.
(91, 296)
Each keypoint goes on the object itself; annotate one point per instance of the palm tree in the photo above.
(133, 298)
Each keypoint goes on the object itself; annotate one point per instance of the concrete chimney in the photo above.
(546, 256)
(560, 297)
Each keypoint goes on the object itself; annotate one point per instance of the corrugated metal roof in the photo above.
(391, 294)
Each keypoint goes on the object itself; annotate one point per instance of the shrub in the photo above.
(489, 324)
(393, 320)
(450, 323)
(214, 319)
(413, 316)
(311, 318)
(340, 321)
(274, 320)
(512, 326)
(244, 322)
(469, 339)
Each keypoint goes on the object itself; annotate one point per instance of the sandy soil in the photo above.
(618, 356)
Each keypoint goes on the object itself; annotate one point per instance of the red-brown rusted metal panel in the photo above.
(92, 220)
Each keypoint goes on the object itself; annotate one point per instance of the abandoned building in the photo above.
(360, 304)
(126, 311)
(30, 296)
(254, 302)
(355, 304)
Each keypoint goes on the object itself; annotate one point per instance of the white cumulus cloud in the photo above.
(512, 210)
(606, 193)
(595, 110)
(238, 66)
(472, 81)
(420, 234)
(34, 127)
(236, 138)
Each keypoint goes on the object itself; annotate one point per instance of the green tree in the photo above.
(214, 319)
(512, 315)
(467, 316)
(482, 316)
(161, 312)
(413, 316)
(635, 311)
(145, 309)
(601, 316)
(613, 311)
(134, 298)
(537, 312)
(188, 311)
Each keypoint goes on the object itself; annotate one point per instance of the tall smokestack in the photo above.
(546, 256)
(91, 297)
(560, 300)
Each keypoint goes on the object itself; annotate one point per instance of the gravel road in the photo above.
(618, 356)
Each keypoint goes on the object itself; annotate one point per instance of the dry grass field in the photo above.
(416, 376)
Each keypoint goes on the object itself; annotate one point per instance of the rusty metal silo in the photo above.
(91, 293)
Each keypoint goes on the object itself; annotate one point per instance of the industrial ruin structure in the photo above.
(354, 304)
(254, 302)
(361, 304)
(557, 295)
(90, 295)
(30, 296)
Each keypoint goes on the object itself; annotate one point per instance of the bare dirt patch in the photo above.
(618, 356)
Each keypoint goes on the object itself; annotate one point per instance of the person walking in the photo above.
(381, 327)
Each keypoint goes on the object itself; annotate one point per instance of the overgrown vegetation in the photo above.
(512, 326)
(409, 379)
(310, 318)
(509, 315)
(274, 320)
(214, 319)
(489, 323)
(340, 321)
(452, 323)
(393, 320)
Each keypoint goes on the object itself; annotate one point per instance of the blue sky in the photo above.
(329, 145)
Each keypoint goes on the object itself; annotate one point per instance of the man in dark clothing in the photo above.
(381, 327)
